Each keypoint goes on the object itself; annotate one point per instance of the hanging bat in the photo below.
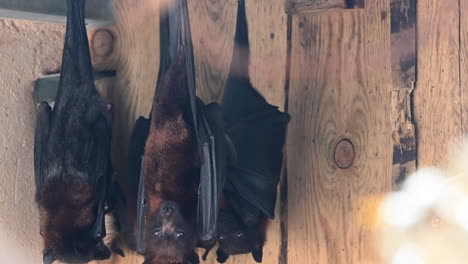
(75, 183)
(164, 154)
(256, 132)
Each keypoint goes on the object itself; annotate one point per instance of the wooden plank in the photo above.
(298, 6)
(464, 62)
(303, 6)
(403, 28)
(437, 102)
(340, 89)
(213, 26)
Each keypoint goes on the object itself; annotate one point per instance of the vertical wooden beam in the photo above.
(464, 62)
(437, 101)
(403, 28)
(213, 26)
(339, 146)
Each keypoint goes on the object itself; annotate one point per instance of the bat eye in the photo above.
(239, 235)
(221, 237)
(180, 235)
(157, 233)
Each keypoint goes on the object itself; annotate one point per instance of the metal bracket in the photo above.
(98, 12)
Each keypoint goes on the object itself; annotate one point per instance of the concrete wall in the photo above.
(28, 50)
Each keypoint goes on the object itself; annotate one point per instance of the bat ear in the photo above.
(48, 257)
(257, 255)
(221, 256)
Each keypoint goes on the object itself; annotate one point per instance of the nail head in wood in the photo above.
(344, 154)
(103, 43)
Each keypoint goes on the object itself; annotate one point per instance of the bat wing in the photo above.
(136, 152)
(100, 170)
(256, 131)
(254, 175)
(209, 128)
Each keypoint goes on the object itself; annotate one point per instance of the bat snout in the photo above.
(168, 208)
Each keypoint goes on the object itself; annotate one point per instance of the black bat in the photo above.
(256, 132)
(75, 183)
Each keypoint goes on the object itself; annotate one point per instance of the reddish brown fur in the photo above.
(63, 208)
(171, 165)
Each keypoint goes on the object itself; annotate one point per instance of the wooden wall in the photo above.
(371, 93)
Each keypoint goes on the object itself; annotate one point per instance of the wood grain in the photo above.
(437, 102)
(300, 6)
(340, 88)
(213, 27)
(464, 62)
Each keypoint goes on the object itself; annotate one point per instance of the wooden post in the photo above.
(339, 90)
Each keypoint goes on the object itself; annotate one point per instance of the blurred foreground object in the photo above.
(426, 222)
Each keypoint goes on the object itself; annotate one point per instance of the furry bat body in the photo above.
(73, 171)
(164, 156)
(256, 131)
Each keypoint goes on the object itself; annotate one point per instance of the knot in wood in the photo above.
(344, 154)
(103, 43)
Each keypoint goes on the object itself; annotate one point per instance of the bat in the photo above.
(164, 155)
(75, 182)
(255, 131)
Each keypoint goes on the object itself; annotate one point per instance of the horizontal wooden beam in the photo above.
(97, 11)
(306, 6)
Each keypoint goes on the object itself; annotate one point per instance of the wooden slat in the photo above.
(437, 102)
(403, 28)
(307, 6)
(340, 88)
(300, 6)
(464, 62)
(213, 26)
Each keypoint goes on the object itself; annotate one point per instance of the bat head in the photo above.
(71, 226)
(234, 237)
(171, 238)
(75, 246)
(78, 252)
